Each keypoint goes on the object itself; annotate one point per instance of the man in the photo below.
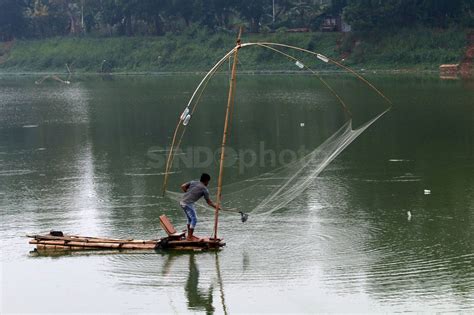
(193, 191)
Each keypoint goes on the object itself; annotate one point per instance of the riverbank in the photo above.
(405, 51)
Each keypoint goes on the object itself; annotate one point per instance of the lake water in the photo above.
(87, 158)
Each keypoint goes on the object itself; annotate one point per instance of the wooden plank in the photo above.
(94, 245)
(204, 241)
(42, 247)
(91, 239)
(195, 244)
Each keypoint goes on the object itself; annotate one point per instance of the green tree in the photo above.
(251, 11)
(46, 18)
(12, 19)
(376, 14)
(120, 13)
(71, 9)
(440, 13)
(155, 13)
(51, 18)
(303, 13)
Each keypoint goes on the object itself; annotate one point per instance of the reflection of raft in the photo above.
(56, 240)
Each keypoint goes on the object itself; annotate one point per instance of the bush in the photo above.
(418, 48)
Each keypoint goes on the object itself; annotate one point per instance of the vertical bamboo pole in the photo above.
(230, 104)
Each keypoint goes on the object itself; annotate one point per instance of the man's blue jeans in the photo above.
(190, 212)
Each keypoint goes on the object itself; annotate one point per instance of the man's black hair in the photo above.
(205, 177)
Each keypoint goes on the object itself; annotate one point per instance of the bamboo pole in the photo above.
(70, 238)
(93, 245)
(332, 61)
(230, 104)
(202, 85)
(200, 89)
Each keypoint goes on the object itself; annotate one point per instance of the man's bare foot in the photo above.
(193, 238)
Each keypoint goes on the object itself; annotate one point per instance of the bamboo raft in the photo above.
(56, 240)
(76, 242)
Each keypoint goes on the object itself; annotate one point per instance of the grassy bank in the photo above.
(422, 49)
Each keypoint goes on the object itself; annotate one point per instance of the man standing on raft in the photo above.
(193, 191)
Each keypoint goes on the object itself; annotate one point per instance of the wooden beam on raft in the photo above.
(87, 239)
(230, 105)
(79, 244)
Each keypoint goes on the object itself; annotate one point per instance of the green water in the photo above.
(87, 158)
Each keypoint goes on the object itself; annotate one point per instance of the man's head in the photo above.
(205, 178)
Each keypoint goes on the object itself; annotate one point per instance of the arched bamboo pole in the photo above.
(196, 96)
(332, 61)
(204, 81)
(344, 106)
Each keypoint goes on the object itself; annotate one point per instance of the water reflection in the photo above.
(198, 299)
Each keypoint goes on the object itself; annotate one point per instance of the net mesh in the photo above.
(271, 191)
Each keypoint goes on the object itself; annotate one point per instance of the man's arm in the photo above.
(208, 199)
(212, 204)
(185, 187)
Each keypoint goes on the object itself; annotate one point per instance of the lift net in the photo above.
(274, 190)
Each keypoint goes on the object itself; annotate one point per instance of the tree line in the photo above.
(48, 18)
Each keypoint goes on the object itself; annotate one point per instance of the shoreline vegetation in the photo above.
(362, 71)
(406, 51)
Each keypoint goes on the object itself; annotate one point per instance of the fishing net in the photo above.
(274, 190)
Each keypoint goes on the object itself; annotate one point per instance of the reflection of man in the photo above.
(193, 191)
(196, 299)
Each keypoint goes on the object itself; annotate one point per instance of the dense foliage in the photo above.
(48, 18)
(408, 49)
